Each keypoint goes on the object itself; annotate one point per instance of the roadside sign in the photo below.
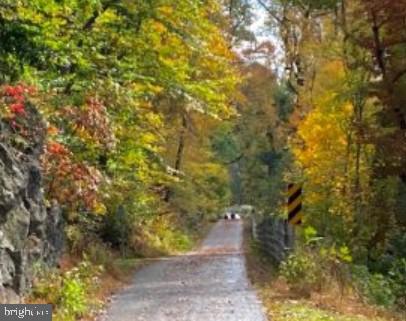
(295, 213)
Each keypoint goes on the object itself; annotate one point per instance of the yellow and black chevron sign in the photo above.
(295, 213)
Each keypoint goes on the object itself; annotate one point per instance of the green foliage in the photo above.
(225, 144)
(77, 286)
(310, 235)
(260, 135)
(343, 127)
(114, 80)
(73, 298)
(71, 293)
(301, 271)
(160, 236)
(145, 121)
(375, 287)
(18, 46)
(263, 160)
(284, 101)
(341, 254)
(48, 285)
(98, 253)
(397, 274)
(317, 263)
(74, 237)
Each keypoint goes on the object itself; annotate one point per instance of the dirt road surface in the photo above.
(209, 284)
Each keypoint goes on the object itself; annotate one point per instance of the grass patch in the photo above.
(81, 288)
(282, 304)
(299, 311)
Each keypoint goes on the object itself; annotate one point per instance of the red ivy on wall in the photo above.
(15, 98)
(73, 183)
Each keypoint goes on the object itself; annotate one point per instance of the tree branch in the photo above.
(398, 75)
(273, 15)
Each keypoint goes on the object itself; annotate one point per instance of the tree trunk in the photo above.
(179, 154)
(181, 144)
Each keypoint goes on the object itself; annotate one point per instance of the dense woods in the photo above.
(129, 93)
(159, 114)
(337, 124)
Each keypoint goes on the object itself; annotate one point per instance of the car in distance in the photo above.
(232, 216)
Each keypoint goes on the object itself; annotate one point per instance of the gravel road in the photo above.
(209, 284)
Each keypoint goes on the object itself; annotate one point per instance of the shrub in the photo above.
(73, 299)
(99, 253)
(160, 236)
(300, 271)
(397, 274)
(315, 263)
(47, 287)
(71, 293)
(376, 288)
(75, 238)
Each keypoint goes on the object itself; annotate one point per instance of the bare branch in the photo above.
(270, 11)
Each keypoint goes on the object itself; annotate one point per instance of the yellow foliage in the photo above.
(325, 156)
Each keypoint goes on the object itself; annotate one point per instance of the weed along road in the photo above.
(209, 284)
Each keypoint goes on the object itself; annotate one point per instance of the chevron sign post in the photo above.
(295, 213)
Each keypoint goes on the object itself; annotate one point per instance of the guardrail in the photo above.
(276, 237)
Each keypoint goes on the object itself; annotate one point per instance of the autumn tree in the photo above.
(343, 64)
